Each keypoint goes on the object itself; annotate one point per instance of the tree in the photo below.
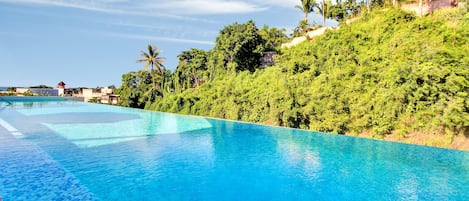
(368, 5)
(11, 89)
(112, 87)
(191, 70)
(301, 29)
(306, 7)
(322, 8)
(237, 48)
(151, 58)
(273, 37)
(337, 11)
(137, 89)
(41, 87)
(352, 7)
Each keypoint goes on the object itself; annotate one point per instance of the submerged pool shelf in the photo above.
(55, 149)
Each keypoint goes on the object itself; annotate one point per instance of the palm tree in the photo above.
(322, 10)
(368, 5)
(306, 7)
(151, 58)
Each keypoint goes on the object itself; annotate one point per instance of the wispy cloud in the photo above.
(178, 8)
(206, 7)
(160, 39)
(145, 26)
(181, 30)
(122, 7)
(83, 5)
(279, 3)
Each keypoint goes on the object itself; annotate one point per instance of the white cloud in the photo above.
(144, 26)
(280, 3)
(124, 7)
(161, 39)
(69, 4)
(206, 7)
(182, 30)
(153, 7)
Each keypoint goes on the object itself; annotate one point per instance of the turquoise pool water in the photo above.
(53, 149)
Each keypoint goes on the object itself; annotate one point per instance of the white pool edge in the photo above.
(15, 132)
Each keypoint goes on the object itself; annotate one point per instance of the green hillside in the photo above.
(387, 73)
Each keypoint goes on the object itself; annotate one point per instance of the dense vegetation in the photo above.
(389, 72)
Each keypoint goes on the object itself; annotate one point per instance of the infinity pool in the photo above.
(51, 149)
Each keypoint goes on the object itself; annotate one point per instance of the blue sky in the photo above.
(90, 43)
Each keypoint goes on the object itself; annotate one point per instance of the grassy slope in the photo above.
(389, 75)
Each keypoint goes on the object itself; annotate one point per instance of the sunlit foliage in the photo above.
(387, 72)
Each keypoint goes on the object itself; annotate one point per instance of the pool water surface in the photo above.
(53, 149)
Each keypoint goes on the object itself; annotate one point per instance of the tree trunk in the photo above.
(306, 18)
(420, 8)
(368, 5)
(196, 79)
(323, 13)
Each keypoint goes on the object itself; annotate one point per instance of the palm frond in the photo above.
(145, 68)
(151, 58)
(150, 50)
(300, 7)
(141, 60)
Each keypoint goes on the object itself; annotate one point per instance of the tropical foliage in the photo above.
(237, 48)
(142, 87)
(389, 72)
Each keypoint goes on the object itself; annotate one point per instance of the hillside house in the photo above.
(429, 6)
(267, 59)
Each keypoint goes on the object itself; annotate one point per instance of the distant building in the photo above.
(44, 92)
(110, 99)
(103, 95)
(37, 91)
(429, 6)
(89, 94)
(21, 90)
(61, 88)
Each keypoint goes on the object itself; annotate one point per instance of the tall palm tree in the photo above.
(322, 10)
(152, 58)
(368, 5)
(306, 7)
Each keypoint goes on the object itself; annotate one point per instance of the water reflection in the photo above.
(345, 167)
(299, 156)
(159, 156)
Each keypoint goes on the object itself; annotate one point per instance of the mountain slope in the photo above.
(387, 73)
